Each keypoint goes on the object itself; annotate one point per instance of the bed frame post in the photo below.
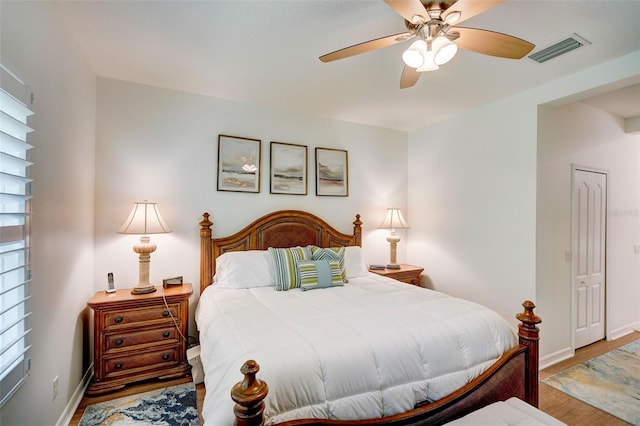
(248, 396)
(529, 336)
(206, 274)
(357, 231)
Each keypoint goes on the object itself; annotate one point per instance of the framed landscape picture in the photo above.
(238, 164)
(332, 172)
(288, 168)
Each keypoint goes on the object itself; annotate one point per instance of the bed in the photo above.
(363, 349)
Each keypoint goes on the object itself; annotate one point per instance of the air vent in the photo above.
(565, 46)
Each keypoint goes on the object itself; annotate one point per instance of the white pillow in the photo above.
(354, 263)
(244, 269)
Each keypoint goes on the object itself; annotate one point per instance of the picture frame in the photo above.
(332, 172)
(288, 170)
(238, 164)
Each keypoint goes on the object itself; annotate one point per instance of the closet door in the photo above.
(589, 242)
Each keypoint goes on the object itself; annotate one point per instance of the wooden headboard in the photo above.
(284, 228)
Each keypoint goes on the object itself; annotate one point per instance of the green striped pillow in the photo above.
(332, 253)
(319, 274)
(284, 265)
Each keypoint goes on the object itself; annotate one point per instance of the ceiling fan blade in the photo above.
(408, 9)
(470, 8)
(366, 46)
(491, 43)
(409, 77)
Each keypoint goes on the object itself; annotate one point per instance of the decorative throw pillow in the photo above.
(319, 274)
(284, 265)
(332, 253)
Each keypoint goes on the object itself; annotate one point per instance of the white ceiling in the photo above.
(266, 52)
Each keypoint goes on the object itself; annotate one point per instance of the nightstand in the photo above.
(139, 337)
(409, 274)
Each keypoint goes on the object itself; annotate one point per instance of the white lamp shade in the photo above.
(414, 55)
(394, 220)
(444, 50)
(144, 219)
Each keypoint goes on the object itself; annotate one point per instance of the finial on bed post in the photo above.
(249, 395)
(206, 274)
(529, 335)
(357, 230)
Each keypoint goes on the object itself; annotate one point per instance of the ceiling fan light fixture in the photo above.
(418, 19)
(429, 63)
(452, 17)
(414, 55)
(444, 50)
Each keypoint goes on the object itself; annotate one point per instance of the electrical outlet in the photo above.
(55, 387)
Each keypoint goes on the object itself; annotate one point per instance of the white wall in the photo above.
(472, 188)
(472, 198)
(581, 134)
(161, 145)
(37, 48)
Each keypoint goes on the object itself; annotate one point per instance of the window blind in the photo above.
(15, 221)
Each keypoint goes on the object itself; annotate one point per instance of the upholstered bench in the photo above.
(511, 412)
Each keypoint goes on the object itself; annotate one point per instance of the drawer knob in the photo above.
(119, 319)
(165, 357)
(118, 365)
(165, 314)
(166, 334)
(119, 341)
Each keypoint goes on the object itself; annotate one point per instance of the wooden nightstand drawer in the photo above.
(408, 277)
(140, 362)
(136, 339)
(159, 314)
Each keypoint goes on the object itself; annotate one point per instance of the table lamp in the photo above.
(144, 219)
(393, 220)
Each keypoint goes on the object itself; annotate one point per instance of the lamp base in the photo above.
(143, 290)
(393, 266)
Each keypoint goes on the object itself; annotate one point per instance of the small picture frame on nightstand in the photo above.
(111, 287)
(170, 282)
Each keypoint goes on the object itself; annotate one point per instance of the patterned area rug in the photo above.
(610, 382)
(173, 406)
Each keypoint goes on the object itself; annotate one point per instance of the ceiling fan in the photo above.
(432, 25)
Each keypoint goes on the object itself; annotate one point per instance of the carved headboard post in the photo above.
(206, 273)
(357, 231)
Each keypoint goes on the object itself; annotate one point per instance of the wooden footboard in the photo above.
(514, 374)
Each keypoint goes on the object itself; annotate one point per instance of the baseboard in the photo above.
(556, 357)
(76, 398)
(623, 331)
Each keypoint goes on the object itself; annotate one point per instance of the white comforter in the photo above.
(374, 347)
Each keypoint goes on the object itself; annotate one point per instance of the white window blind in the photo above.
(15, 221)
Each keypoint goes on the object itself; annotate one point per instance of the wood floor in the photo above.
(553, 402)
(570, 410)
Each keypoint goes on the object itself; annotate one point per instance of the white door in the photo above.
(589, 237)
